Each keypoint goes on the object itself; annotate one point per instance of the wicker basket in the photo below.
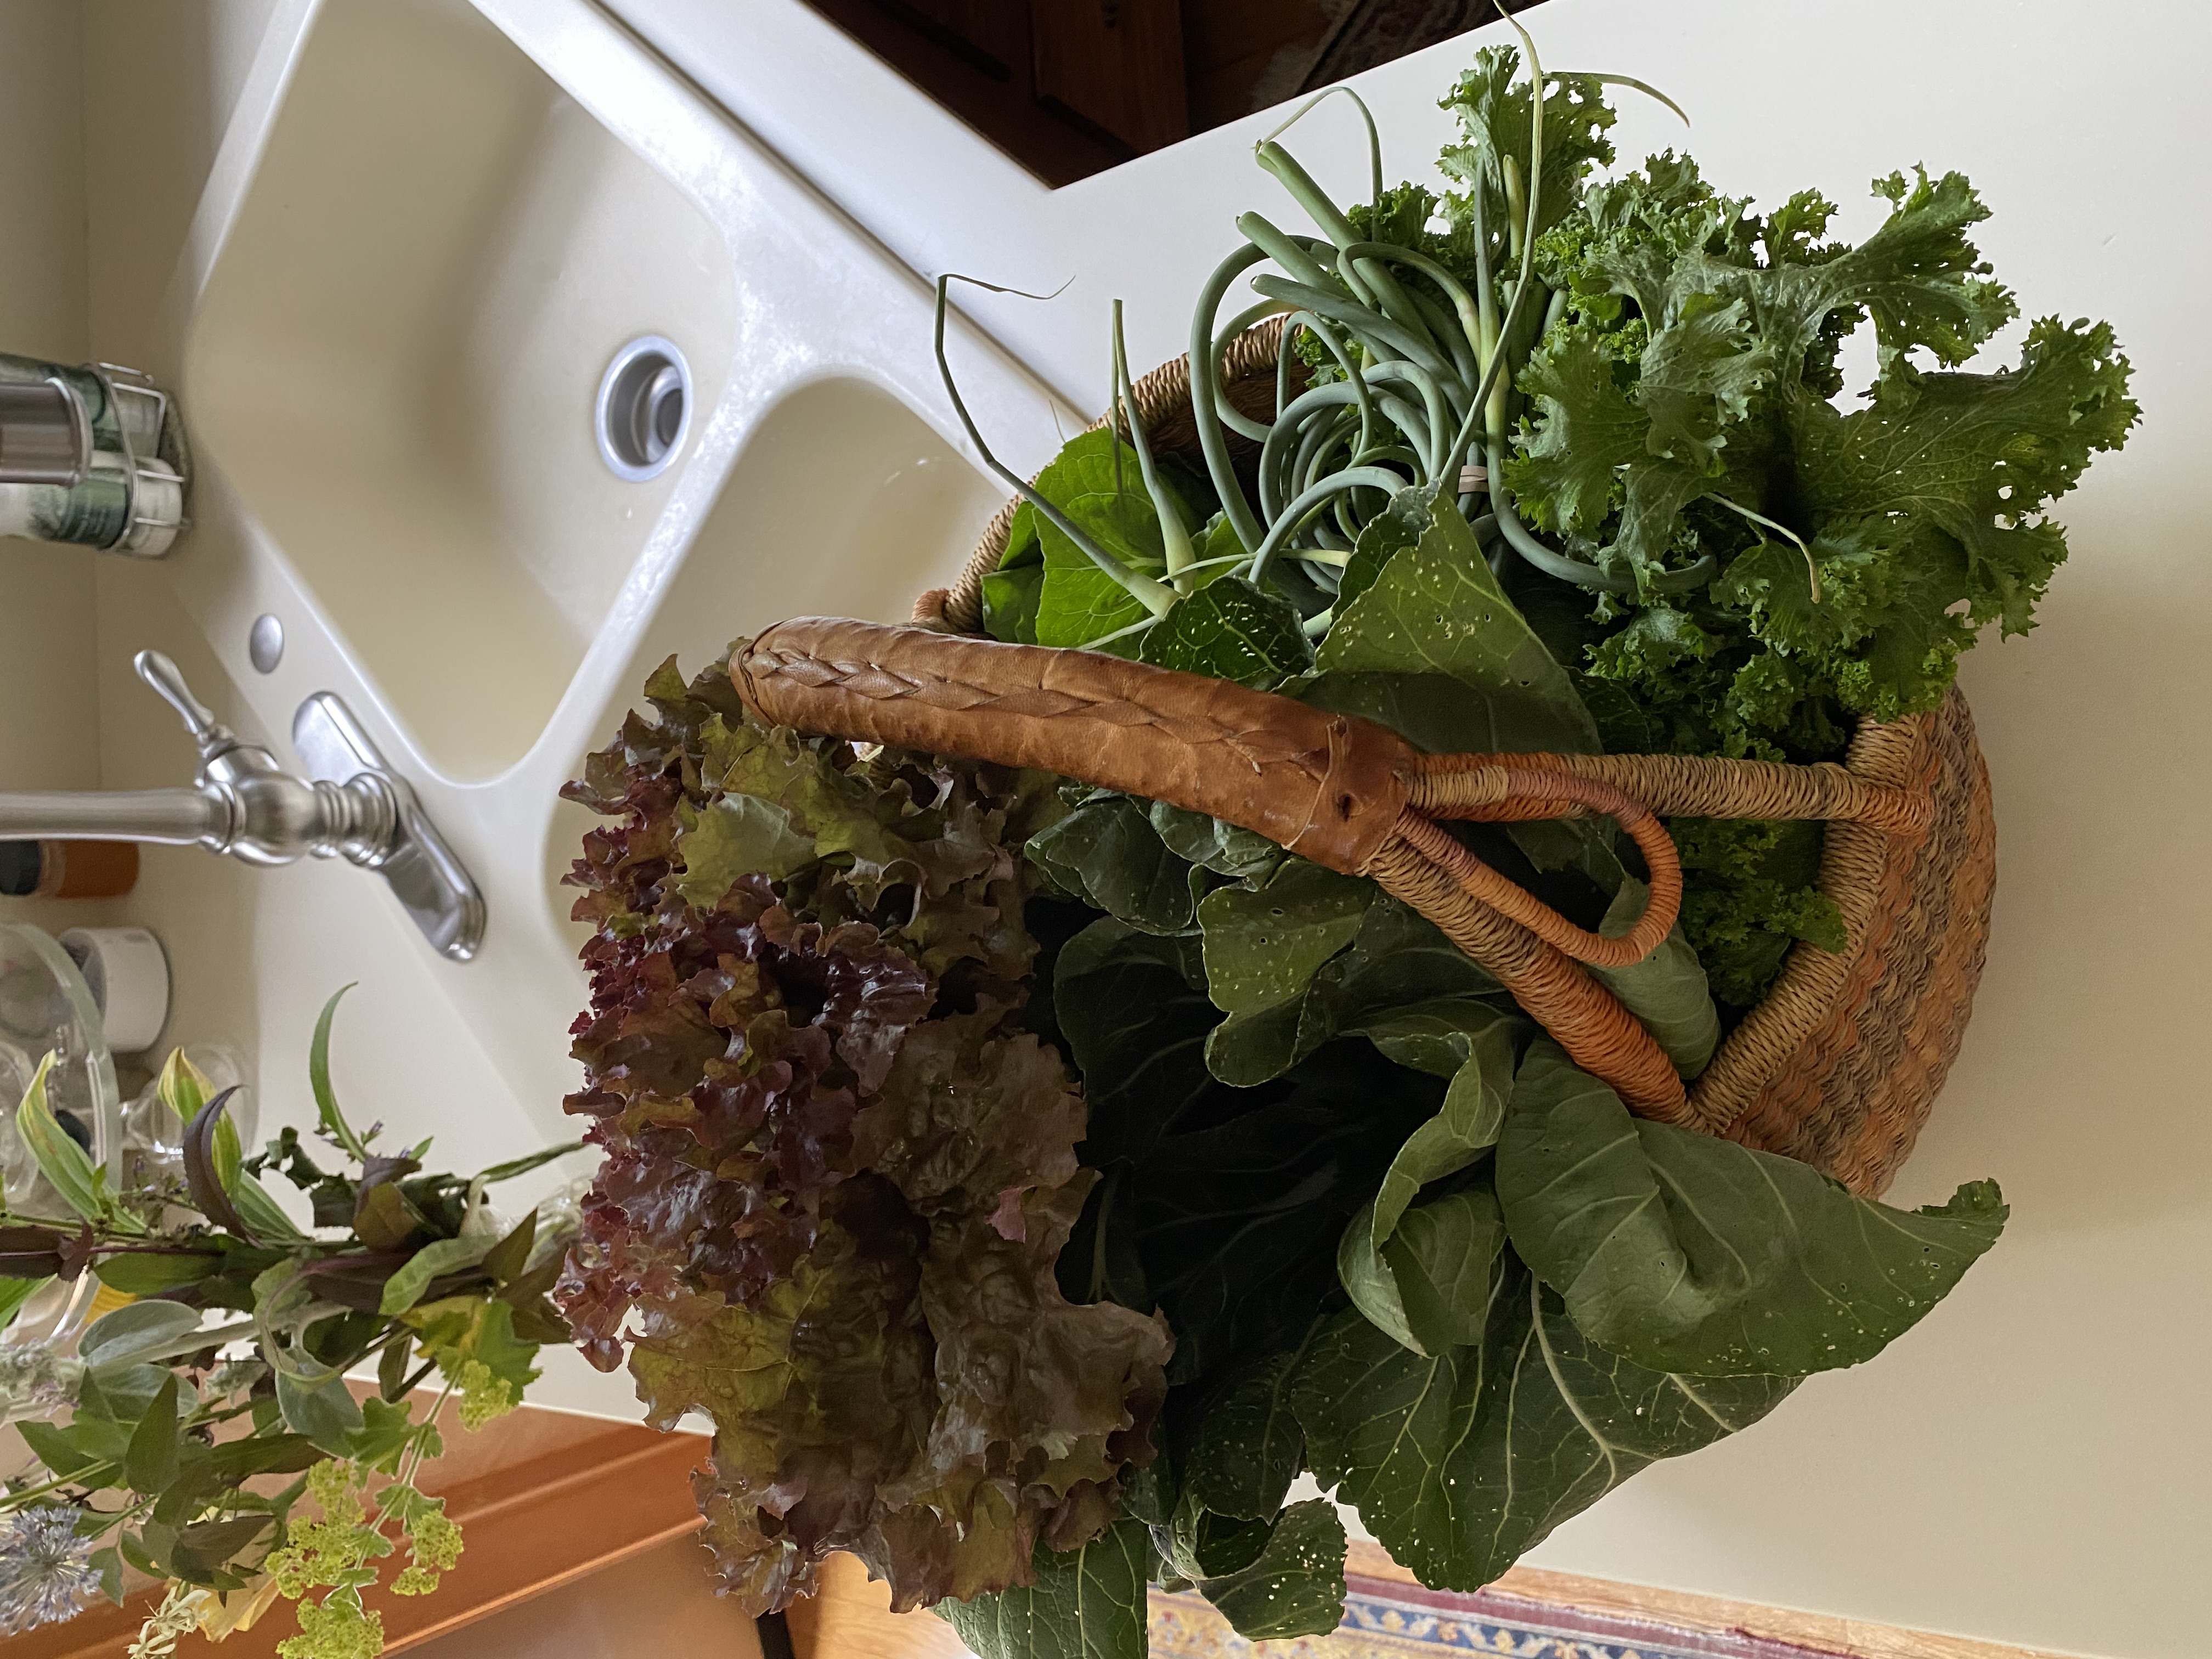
(1837, 1066)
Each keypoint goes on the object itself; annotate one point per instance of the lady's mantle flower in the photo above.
(46, 1573)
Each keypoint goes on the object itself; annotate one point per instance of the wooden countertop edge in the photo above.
(529, 1527)
(1824, 1632)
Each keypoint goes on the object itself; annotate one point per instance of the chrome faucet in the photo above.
(244, 804)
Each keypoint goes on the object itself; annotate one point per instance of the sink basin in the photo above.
(432, 229)
(844, 503)
(396, 353)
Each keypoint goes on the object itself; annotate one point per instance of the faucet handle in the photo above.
(212, 736)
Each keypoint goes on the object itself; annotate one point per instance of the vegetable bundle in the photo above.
(1552, 465)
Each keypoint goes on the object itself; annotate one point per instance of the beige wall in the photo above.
(110, 114)
(49, 709)
(49, 715)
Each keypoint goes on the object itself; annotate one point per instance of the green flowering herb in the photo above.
(204, 1433)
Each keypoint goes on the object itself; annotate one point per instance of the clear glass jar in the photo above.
(46, 1008)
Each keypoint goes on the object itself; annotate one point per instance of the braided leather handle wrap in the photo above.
(1330, 787)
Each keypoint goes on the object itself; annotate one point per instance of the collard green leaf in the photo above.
(1666, 991)
(1087, 1603)
(1474, 1043)
(1295, 1587)
(1435, 609)
(1134, 1008)
(1224, 848)
(1692, 1254)
(1435, 713)
(1247, 1447)
(1396, 527)
(1231, 630)
(1397, 959)
(1107, 853)
(1459, 1463)
(1262, 947)
(1428, 1287)
(1444, 1258)
(1237, 1208)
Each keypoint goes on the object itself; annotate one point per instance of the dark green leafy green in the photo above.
(1262, 946)
(1135, 1014)
(1435, 610)
(1459, 1463)
(1426, 1281)
(1086, 1603)
(1247, 1447)
(1395, 961)
(1231, 630)
(1667, 990)
(1295, 1585)
(1106, 853)
(1687, 1253)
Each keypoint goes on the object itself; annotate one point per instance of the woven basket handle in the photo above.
(1341, 790)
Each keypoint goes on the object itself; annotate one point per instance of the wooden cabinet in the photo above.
(1068, 87)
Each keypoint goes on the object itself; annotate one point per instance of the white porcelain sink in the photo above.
(840, 496)
(395, 357)
(431, 226)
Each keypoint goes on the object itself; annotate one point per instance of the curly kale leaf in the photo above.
(1691, 371)
(1496, 112)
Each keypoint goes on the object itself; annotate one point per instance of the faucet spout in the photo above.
(173, 818)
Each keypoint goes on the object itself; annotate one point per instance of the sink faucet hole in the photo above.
(644, 409)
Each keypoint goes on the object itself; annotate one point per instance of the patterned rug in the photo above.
(1383, 1619)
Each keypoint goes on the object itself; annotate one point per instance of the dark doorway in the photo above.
(1069, 87)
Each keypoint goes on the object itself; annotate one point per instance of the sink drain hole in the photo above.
(645, 408)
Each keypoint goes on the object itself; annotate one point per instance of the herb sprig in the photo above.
(203, 1432)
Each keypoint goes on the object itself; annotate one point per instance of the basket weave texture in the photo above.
(1837, 1067)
